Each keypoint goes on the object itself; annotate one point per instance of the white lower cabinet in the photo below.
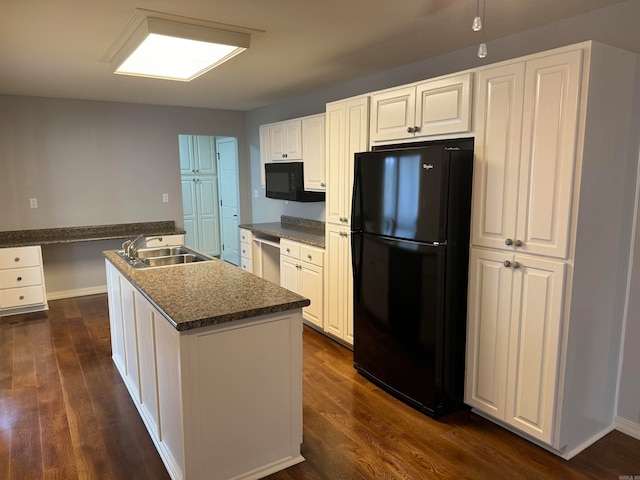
(301, 271)
(219, 402)
(338, 284)
(21, 280)
(513, 343)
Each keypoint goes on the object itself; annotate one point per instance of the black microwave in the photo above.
(285, 181)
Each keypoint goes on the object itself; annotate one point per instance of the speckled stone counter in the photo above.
(49, 236)
(300, 230)
(199, 294)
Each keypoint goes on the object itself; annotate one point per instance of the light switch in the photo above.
(33, 202)
(165, 197)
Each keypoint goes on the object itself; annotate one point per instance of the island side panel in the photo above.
(243, 385)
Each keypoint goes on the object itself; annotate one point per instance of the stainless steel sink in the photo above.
(163, 256)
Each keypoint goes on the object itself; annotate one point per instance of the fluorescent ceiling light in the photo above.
(159, 45)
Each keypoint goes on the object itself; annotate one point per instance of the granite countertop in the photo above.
(50, 236)
(300, 230)
(200, 294)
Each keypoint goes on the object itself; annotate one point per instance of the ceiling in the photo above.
(57, 48)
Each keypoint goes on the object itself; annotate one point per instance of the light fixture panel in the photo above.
(175, 50)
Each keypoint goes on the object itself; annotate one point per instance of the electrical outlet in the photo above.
(165, 197)
(33, 202)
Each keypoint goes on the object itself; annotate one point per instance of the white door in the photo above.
(189, 211)
(208, 215)
(227, 148)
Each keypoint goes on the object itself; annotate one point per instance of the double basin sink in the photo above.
(163, 256)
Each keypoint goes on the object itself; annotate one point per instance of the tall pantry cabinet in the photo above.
(551, 222)
(347, 127)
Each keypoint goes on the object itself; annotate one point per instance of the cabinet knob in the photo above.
(309, 257)
(507, 263)
(21, 297)
(518, 243)
(19, 279)
(516, 264)
(288, 250)
(416, 129)
(508, 241)
(322, 184)
(17, 259)
(409, 129)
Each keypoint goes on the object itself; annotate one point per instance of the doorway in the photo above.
(210, 201)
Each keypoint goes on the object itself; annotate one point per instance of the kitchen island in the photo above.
(212, 357)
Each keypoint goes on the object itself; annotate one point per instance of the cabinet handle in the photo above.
(416, 129)
(409, 129)
(19, 279)
(193, 171)
(516, 264)
(322, 184)
(309, 257)
(508, 241)
(288, 250)
(21, 297)
(17, 259)
(507, 263)
(518, 243)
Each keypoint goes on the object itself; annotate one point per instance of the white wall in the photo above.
(96, 163)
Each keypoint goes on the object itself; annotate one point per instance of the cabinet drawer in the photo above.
(20, 277)
(312, 255)
(245, 250)
(246, 264)
(289, 248)
(19, 257)
(17, 297)
(245, 235)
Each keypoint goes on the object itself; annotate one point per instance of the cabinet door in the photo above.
(277, 142)
(187, 162)
(115, 318)
(347, 133)
(209, 215)
(489, 307)
(132, 377)
(313, 152)
(444, 105)
(289, 273)
(204, 154)
(498, 120)
(312, 287)
(189, 206)
(536, 320)
(338, 283)
(336, 169)
(549, 129)
(145, 329)
(264, 151)
(293, 139)
(392, 114)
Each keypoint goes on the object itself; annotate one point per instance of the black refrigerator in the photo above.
(410, 249)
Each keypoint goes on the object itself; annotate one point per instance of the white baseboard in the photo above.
(79, 292)
(627, 426)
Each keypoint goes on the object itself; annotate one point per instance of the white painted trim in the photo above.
(79, 292)
(568, 455)
(627, 427)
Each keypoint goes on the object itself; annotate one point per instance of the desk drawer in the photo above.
(245, 250)
(20, 257)
(18, 297)
(20, 277)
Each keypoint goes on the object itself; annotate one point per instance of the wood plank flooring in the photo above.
(65, 414)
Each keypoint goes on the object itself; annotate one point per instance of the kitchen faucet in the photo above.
(130, 247)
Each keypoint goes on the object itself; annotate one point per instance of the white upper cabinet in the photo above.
(527, 116)
(197, 155)
(435, 107)
(300, 139)
(313, 152)
(347, 132)
(285, 141)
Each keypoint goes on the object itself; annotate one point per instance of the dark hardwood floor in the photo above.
(65, 414)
